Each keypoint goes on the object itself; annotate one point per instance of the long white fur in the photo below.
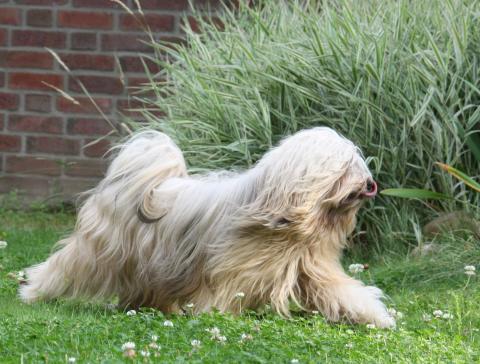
(275, 232)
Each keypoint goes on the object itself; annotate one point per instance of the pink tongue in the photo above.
(373, 192)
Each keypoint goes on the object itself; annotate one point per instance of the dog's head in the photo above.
(314, 181)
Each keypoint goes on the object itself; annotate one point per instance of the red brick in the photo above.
(10, 143)
(39, 18)
(165, 4)
(39, 103)
(37, 38)
(107, 4)
(85, 105)
(85, 168)
(131, 107)
(84, 41)
(41, 2)
(2, 117)
(89, 62)
(88, 126)
(24, 59)
(137, 82)
(3, 37)
(8, 101)
(97, 84)
(2, 79)
(10, 16)
(69, 188)
(33, 81)
(53, 145)
(32, 165)
(95, 148)
(36, 124)
(126, 42)
(31, 185)
(134, 64)
(156, 22)
(85, 20)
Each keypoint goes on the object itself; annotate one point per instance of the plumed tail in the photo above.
(114, 225)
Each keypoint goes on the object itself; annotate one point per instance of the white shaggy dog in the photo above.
(154, 236)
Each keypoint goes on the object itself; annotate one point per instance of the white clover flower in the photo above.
(239, 295)
(356, 268)
(129, 349)
(131, 313)
(469, 270)
(245, 337)
(3, 244)
(447, 316)
(394, 313)
(314, 312)
(371, 326)
(189, 305)
(154, 346)
(294, 361)
(222, 339)
(215, 331)
(350, 332)
(168, 323)
(154, 337)
(349, 345)
(128, 346)
(144, 353)
(426, 317)
(437, 313)
(72, 360)
(196, 343)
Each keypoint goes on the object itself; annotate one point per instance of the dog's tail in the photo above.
(114, 226)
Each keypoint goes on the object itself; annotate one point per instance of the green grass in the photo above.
(399, 78)
(52, 332)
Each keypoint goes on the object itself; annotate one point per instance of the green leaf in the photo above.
(469, 181)
(414, 193)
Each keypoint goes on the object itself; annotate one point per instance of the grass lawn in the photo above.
(54, 332)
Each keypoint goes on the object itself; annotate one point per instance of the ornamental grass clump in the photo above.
(399, 78)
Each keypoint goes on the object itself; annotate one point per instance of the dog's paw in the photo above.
(384, 321)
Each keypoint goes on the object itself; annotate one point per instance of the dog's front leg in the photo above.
(340, 297)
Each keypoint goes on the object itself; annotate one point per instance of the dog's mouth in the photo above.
(368, 191)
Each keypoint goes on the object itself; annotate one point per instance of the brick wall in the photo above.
(44, 137)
